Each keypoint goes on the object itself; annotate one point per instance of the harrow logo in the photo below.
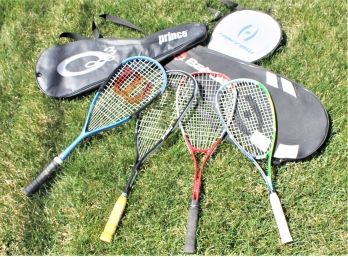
(248, 32)
(242, 38)
(238, 44)
(171, 36)
(250, 117)
(102, 57)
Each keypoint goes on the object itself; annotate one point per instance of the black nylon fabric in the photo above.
(302, 121)
(72, 69)
(122, 22)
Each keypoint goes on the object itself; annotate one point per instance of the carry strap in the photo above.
(76, 37)
(118, 21)
(71, 35)
(95, 31)
(232, 6)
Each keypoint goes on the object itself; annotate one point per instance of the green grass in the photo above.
(68, 217)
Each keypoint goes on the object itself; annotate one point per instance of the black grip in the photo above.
(192, 222)
(40, 179)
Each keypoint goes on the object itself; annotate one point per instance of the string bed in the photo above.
(202, 124)
(253, 114)
(160, 117)
(128, 90)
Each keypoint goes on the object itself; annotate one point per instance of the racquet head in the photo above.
(201, 127)
(252, 128)
(154, 125)
(253, 125)
(159, 119)
(130, 87)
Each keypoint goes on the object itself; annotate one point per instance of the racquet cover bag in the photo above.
(302, 121)
(69, 70)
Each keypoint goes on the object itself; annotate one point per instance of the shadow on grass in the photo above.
(38, 232)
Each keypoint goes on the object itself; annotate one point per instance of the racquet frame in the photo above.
(277, 209)
(49, 170)
(119, 207)
(193, 214)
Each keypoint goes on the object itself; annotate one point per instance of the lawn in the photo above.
(68, 215)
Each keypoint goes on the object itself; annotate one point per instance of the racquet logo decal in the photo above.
(248, 32)
(102, 57)
(249, 116)
(235, 42)
(181, 56)
(171, 36)
(126, 92)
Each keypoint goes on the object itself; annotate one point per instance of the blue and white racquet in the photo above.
(129, 88)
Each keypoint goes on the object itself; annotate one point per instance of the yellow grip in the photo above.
(114, 219)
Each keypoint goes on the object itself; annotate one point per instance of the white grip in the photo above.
(279, 216)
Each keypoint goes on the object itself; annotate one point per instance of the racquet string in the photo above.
(186, 89)
(129, 89)
(155, 120)
(227, 98)
(202, 124)
(160, 117)
(252, 124)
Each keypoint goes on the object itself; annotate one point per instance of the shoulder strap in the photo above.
(232, 6)
(71, 35)
(74, 36)
(118, 21)
(95, 31)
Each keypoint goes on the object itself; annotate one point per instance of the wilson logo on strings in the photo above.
(127, 89)
(171, 36)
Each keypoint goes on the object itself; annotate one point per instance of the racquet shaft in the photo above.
(192, 222)
(42, 177)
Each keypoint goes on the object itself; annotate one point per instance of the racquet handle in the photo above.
(279, 216)
(42, 177)
(190, 239)
(114, 219)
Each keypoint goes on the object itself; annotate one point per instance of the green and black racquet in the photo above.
(251, 125)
